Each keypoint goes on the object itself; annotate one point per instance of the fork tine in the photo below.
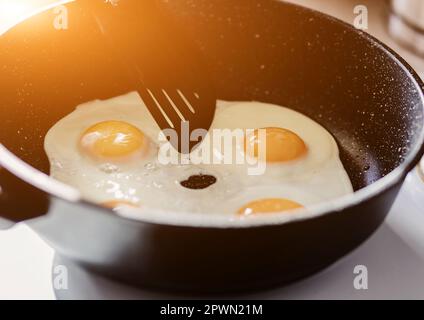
(182, 118)
(194, 101)
(181, 104)
(175, 116)
(187, 101)
(155, 108)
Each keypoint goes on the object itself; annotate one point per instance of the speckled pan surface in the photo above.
(256, 50)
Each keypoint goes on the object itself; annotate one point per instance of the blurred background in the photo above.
(398, 23)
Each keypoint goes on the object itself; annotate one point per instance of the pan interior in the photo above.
(272, 52)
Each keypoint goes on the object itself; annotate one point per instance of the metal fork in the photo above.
(166, 67)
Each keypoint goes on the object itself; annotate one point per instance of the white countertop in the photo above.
(394, 255)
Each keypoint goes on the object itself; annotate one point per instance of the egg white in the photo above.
(319, 174)
(255, 115)
(102, 181)
(143, 181)
(316, 177)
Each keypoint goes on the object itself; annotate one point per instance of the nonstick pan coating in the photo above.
(269, 51)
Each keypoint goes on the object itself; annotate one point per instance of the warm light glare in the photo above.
(14, 11)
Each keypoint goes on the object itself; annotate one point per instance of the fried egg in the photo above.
(109, 150)
(296, 146)
(104, 148)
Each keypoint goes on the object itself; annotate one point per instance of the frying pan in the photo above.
(271, 51)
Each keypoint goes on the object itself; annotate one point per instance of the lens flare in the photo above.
(12, 11)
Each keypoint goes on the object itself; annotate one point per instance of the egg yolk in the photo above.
(113, 140)
(116, 204)
(282, 145)
(268, 206)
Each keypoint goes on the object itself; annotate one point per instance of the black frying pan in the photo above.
(265, 50)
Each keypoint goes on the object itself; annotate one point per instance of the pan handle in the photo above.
(19, 200)
(25, 192)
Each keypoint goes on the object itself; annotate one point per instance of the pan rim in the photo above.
(42, 181)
